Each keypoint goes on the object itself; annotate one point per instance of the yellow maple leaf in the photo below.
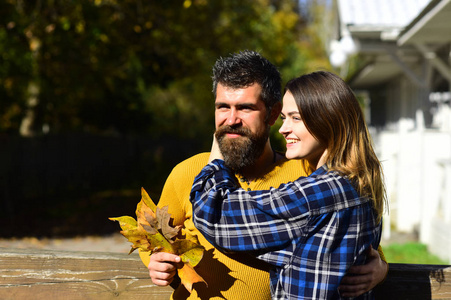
(151, 232)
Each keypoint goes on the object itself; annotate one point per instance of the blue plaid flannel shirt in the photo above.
(311, 230)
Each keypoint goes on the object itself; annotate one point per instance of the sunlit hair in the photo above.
(243, 69)
(332, 114)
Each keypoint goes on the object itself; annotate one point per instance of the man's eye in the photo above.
(247, 108)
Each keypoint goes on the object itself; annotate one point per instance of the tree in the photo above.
(109, 66)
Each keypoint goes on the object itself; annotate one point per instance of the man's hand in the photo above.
(215, 152)
(163, 267)
(361, 279)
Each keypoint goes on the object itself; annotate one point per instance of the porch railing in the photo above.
(44, 274)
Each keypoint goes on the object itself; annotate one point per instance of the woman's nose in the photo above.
(284, 128)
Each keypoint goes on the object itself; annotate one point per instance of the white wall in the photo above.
(417, 171)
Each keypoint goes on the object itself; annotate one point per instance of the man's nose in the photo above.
(233, 118)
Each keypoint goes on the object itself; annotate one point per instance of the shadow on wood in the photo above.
(412, 282)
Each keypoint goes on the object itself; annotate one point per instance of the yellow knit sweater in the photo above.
(232, 276)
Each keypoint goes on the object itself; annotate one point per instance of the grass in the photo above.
(410, 253)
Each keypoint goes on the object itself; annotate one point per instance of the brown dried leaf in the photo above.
(151, 232)
(146, 218)
(163, 218)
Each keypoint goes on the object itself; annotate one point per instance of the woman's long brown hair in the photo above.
(332, 114)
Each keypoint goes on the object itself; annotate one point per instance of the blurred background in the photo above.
(99, 98)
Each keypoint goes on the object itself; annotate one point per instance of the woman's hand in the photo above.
(215, 152)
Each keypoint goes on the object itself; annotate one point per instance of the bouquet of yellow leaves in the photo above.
(151, 232)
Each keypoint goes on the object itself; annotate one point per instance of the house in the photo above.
(403, 75)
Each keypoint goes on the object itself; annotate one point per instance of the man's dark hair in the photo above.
(240, 70)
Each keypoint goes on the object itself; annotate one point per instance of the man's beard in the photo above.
(243, 151)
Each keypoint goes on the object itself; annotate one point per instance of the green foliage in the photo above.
(15, 68)
(410, 253)
(123, 66)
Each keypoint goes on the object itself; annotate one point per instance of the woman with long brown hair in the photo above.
(313, 229)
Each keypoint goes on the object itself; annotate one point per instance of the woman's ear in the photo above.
(275, 113)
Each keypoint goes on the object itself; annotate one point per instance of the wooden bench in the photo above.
(44, 274)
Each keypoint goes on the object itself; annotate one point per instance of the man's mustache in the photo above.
(221, 131)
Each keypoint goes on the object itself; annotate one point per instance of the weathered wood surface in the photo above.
(44, 274)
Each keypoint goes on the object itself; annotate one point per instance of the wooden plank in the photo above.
(441, 283)
(44, 274)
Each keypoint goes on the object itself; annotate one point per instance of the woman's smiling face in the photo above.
(301, 144)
